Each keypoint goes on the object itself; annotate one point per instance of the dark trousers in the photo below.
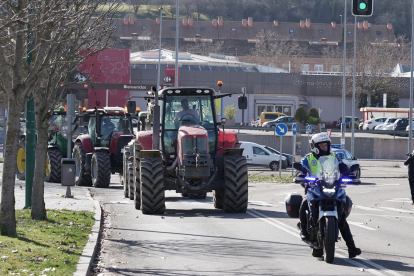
(411, 181)
(343, 227)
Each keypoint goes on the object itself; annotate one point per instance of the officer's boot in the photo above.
(352, 250)
(349, 240)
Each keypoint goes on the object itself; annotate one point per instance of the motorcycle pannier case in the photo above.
(348, 206)
(293, 201)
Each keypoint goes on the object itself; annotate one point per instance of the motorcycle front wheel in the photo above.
(329, 239)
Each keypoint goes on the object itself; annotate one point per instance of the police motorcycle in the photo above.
(328, 203)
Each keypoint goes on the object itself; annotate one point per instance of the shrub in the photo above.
(300, 115)
(313, 120)
(313, 112)
(230, 111)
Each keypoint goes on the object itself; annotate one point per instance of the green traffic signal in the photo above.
(362, 6)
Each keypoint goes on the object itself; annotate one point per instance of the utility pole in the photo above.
(343, 125)
(176, 42)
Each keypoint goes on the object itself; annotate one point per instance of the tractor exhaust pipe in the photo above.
(172, 167)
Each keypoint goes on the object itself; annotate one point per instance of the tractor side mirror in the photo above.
(86, 118)
(223, 121)
(125, 126)
(131, 107)
(242, 102)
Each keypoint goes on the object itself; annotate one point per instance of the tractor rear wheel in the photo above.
(21, 160)
(236, 184)
(53, 166)
(125, 174)
(82, 178)
(218, 198)
(152, 186)
(131, 180)
(101, 169)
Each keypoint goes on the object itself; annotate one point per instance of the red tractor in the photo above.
(100, 152)
(195, 155)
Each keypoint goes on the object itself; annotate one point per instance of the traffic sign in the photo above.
(294, 129)
(308, 129)
(281, 129)
(329, 132)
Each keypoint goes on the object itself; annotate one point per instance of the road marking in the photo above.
(294, 232)
(260, 203)
(360, 224)
(397, 210)
(120, 202)
(366, 208)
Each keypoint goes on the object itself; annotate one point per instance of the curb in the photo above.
(89, 252)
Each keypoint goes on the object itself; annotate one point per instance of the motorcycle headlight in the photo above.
(328, 192)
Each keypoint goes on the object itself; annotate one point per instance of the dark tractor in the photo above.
(195, 155)
(56, 150)
(100, 152)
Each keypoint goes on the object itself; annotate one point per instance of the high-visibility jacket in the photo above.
(314, 163)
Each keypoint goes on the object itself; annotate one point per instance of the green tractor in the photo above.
(56, 150)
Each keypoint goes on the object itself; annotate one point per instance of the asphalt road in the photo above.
(193, 238)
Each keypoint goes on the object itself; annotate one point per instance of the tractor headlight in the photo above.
(328, 192)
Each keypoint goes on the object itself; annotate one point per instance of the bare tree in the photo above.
(56, 35)
(204, 48)
(272, 49)
(146, 41)
(136, 4)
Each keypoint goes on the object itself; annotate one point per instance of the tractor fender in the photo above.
(144, 139)
(230, 140)
(86, 142)
(149, 153)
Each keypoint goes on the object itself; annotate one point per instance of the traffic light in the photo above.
(362, 7)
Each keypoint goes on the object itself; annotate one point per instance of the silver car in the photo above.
(287, 120)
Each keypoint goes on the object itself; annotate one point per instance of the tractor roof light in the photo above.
(84, 109)
(169, 91)
(61, 108)
(198, 91)
(138, 109)
(177, 91)
(220, 83)
(206, 91)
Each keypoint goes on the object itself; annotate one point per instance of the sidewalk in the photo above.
(54, 195)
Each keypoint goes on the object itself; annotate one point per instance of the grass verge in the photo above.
(270, 178)
(50, 247)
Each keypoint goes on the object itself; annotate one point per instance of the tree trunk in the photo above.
(38, 200)
(7, 211)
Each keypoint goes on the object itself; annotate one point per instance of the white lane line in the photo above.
(192, 201)
(366, 208)
(294, 232)
(399, 200)
(260, 203)
(397, 210)
(360, 224)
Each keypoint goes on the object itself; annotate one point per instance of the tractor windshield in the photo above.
(187, 109)
(110, 124)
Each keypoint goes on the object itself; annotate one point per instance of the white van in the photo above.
(257, 155)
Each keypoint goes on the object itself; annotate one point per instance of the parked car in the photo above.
(348, 120)
(255, 123)
(269, 116)
(401, 124)
(408, 127)
(384, 126)
(257, 155)
(346, 157)
(289, 157)
(370, 124)
(287, 120)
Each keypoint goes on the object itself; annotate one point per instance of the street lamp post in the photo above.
(341, 18)
(343, 124)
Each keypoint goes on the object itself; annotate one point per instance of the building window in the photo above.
(291, 32)
(203, 29)
(233, 29)
(304, 67)
(378, 32)
(320, 31)
(173, 28)
(263, 30)
(144, 27)
(335, 68)
(318, 67)
(349, 32)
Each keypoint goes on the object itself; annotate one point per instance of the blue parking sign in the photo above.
(308, 129)
(294, 129)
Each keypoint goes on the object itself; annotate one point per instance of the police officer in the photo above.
(410, 164)
(321, 146)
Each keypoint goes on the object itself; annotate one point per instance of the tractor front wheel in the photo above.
(152, 186)
(82, 178)
(101, 170)
(236, 184)
(53, 166)
(131, 180)
(21, 160)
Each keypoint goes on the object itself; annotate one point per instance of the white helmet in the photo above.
(320, 138)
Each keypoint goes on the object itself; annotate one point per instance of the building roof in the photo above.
(234, 30)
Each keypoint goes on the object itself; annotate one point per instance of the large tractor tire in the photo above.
(125, 174)
(329, 240)
(131, 180)
(136, 178)
(82, 178)
(101, 170)
(53, 166)
(152, 186)
(218, 199)
(21, 160)
(235, 184)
